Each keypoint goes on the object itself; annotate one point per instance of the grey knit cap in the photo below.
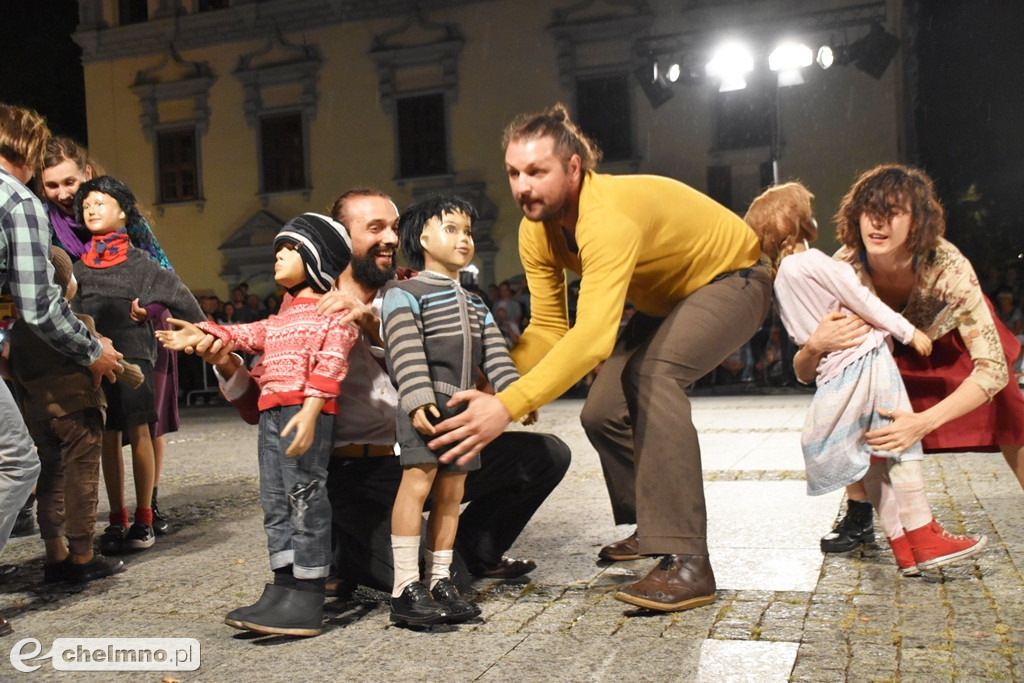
(324, 245)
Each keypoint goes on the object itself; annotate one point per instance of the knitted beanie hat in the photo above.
(324, 245)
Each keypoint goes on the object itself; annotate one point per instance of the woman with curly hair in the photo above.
(891, 225)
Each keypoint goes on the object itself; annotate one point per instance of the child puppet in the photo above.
(64, 412)
(305, 357)
(113, 277)
(437, 335)
(856, 386)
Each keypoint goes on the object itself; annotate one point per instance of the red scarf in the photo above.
(107, 250)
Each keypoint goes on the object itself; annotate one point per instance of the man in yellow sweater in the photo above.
(690, 267)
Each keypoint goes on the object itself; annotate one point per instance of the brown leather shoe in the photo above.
(507, 568)
(620, 551)
(679, 582)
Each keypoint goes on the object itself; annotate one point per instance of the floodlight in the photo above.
(730, 63)
(872, 53)
(653, 82)
(826, 57)
(790, 56)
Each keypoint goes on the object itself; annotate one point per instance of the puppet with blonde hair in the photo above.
(858, 387)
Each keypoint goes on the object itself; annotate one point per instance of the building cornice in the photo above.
(101, 41)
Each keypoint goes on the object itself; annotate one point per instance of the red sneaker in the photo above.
(904, 556)
(933, 546)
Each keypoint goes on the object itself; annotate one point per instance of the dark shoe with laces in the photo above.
(678, 582)
(8, 572)
(112, 540)
(272, 592)
(856, 528)
(417, 607)
(506, 568)
(160, 523)
(98, 567)
(459, 609)
(140, 536)
(25, 523)
(622, 551)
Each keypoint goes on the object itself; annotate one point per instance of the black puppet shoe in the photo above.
(417, 607)
(459, 609)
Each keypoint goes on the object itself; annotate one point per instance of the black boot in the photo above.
(25, 524)
(160, 524)
(272, 592)
(459, 609)
(855, 528)
(296, 612)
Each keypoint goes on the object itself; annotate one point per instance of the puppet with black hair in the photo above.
(113, 279)
(305, 358)
(437, 336)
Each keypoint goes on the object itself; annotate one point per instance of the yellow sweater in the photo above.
(650, 239)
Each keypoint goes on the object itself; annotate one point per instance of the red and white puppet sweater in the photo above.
(304, 354)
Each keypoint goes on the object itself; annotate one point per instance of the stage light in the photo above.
(787, 59)
(672, 73)
(653, 82)
(826, 57)
(730, 63)
(872, 53)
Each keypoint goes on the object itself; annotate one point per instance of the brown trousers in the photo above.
(637, 415)
(68, 488)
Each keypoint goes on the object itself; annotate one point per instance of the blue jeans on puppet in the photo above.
(293, 494)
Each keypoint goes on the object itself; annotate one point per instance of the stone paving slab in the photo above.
(784, 611)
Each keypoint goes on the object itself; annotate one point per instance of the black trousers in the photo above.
(518, 471)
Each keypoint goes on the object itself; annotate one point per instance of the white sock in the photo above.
(908, 482)
(406, 551)
(883, 498)
(439, 564)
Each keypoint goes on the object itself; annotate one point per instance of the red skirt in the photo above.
(933, 378)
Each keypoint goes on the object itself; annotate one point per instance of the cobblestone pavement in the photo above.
(784, 612)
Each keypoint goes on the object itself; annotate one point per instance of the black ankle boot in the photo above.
(272, 592)
(295, 613)
(854, 529)
(160, 524)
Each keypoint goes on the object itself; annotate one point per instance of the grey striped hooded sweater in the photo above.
(436, 336)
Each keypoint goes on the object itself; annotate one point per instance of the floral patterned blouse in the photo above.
(947, 297)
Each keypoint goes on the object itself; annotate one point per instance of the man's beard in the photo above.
(366, 272)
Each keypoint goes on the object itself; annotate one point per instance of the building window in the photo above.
(132, 12)
(210, 5)
(604, 113)
(720, 184)
(283, 152)
(178, 165)
(422, 136)
(743, 119)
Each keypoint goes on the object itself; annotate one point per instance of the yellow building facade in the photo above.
(227, 117)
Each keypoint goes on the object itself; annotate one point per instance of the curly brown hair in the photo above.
(780, 217)
(23, 135)
(567, 136)
(883, 191)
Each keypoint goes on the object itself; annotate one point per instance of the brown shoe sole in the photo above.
(698, 601)
(609, 557)
(275, 631)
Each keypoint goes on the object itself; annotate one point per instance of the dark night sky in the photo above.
(971, 95)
